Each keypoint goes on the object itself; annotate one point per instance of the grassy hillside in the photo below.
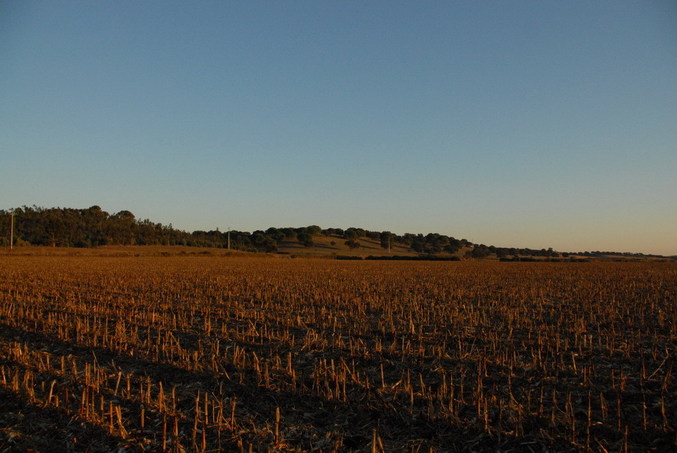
(335, 245)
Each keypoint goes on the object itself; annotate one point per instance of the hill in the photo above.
(94, 227)
(335, 245)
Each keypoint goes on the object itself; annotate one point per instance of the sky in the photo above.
(519, 124)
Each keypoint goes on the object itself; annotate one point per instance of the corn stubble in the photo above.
(206, 354)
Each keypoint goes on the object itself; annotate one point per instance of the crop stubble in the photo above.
(222, 354)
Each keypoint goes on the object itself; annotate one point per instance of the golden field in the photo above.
(233, 353)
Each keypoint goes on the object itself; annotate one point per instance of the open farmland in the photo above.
(213, 353)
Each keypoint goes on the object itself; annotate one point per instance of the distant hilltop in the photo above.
(93, 227)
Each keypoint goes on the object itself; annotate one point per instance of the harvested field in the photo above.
(214, 353)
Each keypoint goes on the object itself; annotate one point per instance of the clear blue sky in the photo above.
(514, 123)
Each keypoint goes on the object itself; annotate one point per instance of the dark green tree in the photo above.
(306, 239)
(352, 243)
(386, 239)
(313, 229)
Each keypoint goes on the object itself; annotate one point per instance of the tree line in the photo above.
(93, 227)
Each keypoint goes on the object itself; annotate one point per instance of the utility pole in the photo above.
(11, 230)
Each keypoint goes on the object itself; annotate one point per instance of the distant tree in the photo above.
(263, 242)
(313, 229)
(289, 233)
(352, 243)
(386, 238)
(375, 235)
(418, 245)
(276, 234)
(354, 233)
(453, 246)
(350, 234)
(480, 251)
(306, 239)
(408, 239)
(123, 228)
(333, 231)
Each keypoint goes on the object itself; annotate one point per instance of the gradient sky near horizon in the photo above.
(524, 123)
